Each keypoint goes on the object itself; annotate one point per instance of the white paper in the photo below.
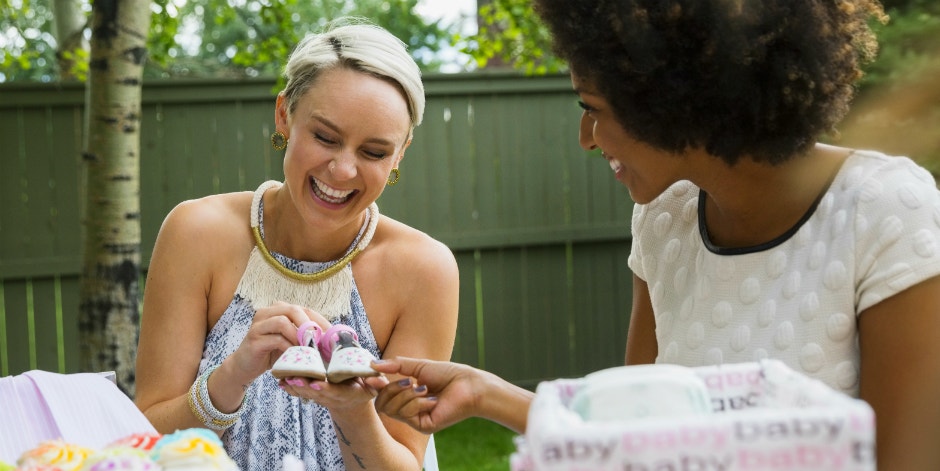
(84, 409)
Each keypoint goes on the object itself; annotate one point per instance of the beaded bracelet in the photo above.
(191, 399)
(201, 405)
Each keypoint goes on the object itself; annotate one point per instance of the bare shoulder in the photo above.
(405, 264)
(412, 250)
(203, 238)
(210, 214)
(198, 257)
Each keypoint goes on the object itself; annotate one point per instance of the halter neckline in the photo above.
(359, 243)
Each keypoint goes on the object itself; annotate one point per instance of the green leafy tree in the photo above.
(255, 38)
(268, 37)
(908, 46)
(898, 107)
(27, 44)
(213, 38)
(510, 33)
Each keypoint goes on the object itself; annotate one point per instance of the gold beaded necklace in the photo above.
(361, 241)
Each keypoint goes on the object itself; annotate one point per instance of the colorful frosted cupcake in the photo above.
(54, 454)
(120, 458)
(141, 441)
(192, 449)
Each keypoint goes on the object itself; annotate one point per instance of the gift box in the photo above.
(747, 416)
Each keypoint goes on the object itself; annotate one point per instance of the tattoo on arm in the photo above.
(359, 461)
(340, 435)
(342, 438)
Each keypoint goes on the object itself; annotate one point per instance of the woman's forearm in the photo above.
(366, 443)
(504, 403)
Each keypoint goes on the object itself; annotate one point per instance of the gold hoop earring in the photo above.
(392, 181)
(278, 140)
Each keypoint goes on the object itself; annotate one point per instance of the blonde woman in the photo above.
(233, 276)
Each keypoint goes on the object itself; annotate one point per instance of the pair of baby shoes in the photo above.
(334, 355)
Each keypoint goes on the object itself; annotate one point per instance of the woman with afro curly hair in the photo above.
(752, 239)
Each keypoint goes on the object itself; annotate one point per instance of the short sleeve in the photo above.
(635, 260)
(897, 226)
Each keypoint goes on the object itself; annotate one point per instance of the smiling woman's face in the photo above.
(644, 170)
(347, 133)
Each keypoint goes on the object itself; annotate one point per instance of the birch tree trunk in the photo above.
(109, 312)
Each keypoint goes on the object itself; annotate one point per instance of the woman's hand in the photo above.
(273, 330)
(336, 397)
(446, 393)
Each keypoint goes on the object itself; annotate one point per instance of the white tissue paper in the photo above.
(85, 409)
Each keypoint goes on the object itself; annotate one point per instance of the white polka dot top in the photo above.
(874, 233)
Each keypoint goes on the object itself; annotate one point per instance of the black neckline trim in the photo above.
(703, 230)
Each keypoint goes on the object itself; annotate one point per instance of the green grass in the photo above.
(474, 445)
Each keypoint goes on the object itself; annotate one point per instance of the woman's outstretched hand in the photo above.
(446, 393)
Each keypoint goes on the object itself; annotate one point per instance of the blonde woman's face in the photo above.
(346, 135)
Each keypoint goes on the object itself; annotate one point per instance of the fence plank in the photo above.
(70, 290)
(19, 337)
(505, 337)
(467, 155)
(525, 327)
(466, 346)
(546, 314)
(14, 235)
(601, 303)
(47, 324)
(66, 175)
(36, 199)
(5, 349)
(154, 201)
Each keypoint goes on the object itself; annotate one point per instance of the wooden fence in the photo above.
(539, 227)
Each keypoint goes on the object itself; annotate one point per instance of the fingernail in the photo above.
(431, 398)
(378, 362)
(315, 386)
(404, 382)
(421, 389)
(295, 382)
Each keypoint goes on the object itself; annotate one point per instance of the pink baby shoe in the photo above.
(302, 360)
(347, 359)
